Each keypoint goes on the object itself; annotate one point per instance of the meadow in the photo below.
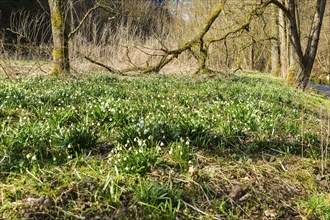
(245, 146)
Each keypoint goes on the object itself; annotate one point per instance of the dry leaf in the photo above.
(236, 190)
(270, 213)
(191, 170)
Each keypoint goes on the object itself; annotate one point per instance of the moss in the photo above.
(57, 17)
(303, 178)
(57, 54)
(217, 11)
(291, 76)
(55, 71)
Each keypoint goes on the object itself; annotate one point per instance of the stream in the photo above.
(322, 89)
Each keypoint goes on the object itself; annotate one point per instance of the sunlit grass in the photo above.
(106, 146)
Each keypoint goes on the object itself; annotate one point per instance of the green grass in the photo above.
(317, 206)
(159, 147)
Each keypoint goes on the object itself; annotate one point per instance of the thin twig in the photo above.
(33, 176)
(200, 211)
(8, 76)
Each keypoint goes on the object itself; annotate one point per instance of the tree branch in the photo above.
(96, 6)
(281, 6)
(110, 69)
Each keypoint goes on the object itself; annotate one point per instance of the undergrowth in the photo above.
(162, 147)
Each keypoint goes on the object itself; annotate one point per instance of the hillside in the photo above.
(163, 147)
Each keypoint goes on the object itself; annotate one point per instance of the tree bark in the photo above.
(61, 60)
(251, 55)
(275, 49)
(283, 43)
(306, 59)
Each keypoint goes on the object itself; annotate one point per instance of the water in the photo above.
(322, 88)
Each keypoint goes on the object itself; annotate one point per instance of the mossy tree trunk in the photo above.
(61, 60)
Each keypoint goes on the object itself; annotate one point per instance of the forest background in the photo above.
(135, 35)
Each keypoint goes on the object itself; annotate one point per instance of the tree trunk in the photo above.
(275, 61)
(283, 44)
(61, 60)
(251, 55)
(307, 61)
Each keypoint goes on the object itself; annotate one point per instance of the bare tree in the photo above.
(60, 37)
(62, 34)
(305, 59)
(199, 45)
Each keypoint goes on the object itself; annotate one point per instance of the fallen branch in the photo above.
(110, 69)
(198, 43)
(6, 73)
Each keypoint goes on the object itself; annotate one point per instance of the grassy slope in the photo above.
(162, 147)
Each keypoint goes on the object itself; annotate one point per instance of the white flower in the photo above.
(34, 157)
